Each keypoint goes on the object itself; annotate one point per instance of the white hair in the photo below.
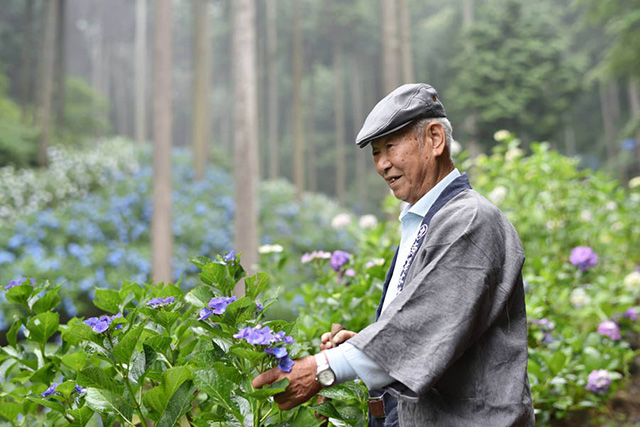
(420, 126)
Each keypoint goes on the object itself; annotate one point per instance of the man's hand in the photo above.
(302, 382)
(338, 339)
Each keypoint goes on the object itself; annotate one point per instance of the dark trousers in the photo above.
(390, 409)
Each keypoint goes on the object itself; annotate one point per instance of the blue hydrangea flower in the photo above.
(274, 341)
(51, 390)
(78, 389)
(102, 323)
(610, 329)
(160, 302)
(230, 256)
(216, 306)
(17, 283)
(285, 364)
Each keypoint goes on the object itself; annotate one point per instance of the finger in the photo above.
(267, 377)
(342, 336)
(325, 337)
(326, 346)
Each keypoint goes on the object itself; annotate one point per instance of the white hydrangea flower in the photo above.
(269, 249)
(586, 216)
(456, 147)
(501, 135)
(374, 262)
(634, 182)
(579, 298)
(612, 206)
(513, 154)
(341, 220)
(632, 281)
(368, 221)
(498, 194)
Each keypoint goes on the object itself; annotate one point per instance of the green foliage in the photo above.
(155, 360)
(513, 69)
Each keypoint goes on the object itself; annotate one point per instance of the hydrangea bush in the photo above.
(159, 354)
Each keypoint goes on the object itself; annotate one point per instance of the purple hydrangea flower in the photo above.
(631, 314)
(102, 323)
(78, 389)
(259, 307)
(216, 306)
(51, 390)
(278, 352)
(350, 272)
(583, 257)
(160, 302)
(610, 329)
(230, 256)
(598, 381)
(18, 282)
(544, 323)
(285, 364)
(339, 259)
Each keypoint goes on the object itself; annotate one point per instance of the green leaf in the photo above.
(12, 334)
(245, 353)
(10, 410)
(155, 399)
(81, 416)
(44, 375)
(47, 302)
(199, 296)
(339, 392)
(150, 356)
(97, 378)
(75, 361)
(174, 377)
(306, 418)
(239, 311)
(107, 300)
(66, 388)
(52, 404)
(42, 326)
(254, 285)
(328, 410)
(217, 275)
(274, 388)
(127, 344)
(200, 261)
(138, 366)
(20, 294)
(216, 387)
(100, 400)
(77, 331)
(179, 403)
(167, 318)
(158, 343)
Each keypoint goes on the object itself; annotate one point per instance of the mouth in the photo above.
(392, 180)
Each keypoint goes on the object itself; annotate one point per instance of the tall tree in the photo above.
(201, 113)
(357, 104)
(51, 15)
(26, 74)
(161, 229)
(60, 64)
(272, 89)
(339, 111)
(406, 52)
(390, 45)
(246, 139)
(298, 116)
(140, 71)
(470, 123)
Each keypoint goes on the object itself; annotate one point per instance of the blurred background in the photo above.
(225, 114)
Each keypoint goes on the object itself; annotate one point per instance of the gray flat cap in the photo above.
(396, 110)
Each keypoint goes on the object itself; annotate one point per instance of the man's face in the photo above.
(409, 169)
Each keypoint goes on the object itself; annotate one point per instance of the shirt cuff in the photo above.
(349, 362)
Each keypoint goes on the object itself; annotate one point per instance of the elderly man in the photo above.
(449, 346)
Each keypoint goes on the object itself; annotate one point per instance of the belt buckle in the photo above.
(376, 407)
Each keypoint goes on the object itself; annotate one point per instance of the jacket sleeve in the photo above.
(465, 274)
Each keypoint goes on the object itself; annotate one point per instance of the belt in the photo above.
(376, 406)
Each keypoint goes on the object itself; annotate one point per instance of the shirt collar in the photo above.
(422, 206)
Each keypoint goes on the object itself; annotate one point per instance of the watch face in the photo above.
(326, 377)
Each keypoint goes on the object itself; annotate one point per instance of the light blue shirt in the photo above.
(347, 361)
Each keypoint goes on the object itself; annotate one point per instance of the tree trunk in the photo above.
(298, 116)
(51, 15)
(246, 139)
(608, 122)
(405, 45)
(357, 104)
(390, 45)
(312, 165)
(470, 123)
(26, 75)
(60, 68)
(634, 105)
(161, 230)
(201, 129)
(338, 96)
(272, 83)
(140, 71)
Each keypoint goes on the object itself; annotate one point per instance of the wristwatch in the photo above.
(324, 375)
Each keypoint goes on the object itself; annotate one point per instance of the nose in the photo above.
(383, 164)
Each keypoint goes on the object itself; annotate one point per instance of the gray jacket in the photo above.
(455, 338)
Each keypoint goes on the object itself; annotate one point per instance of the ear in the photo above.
(437, 138)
